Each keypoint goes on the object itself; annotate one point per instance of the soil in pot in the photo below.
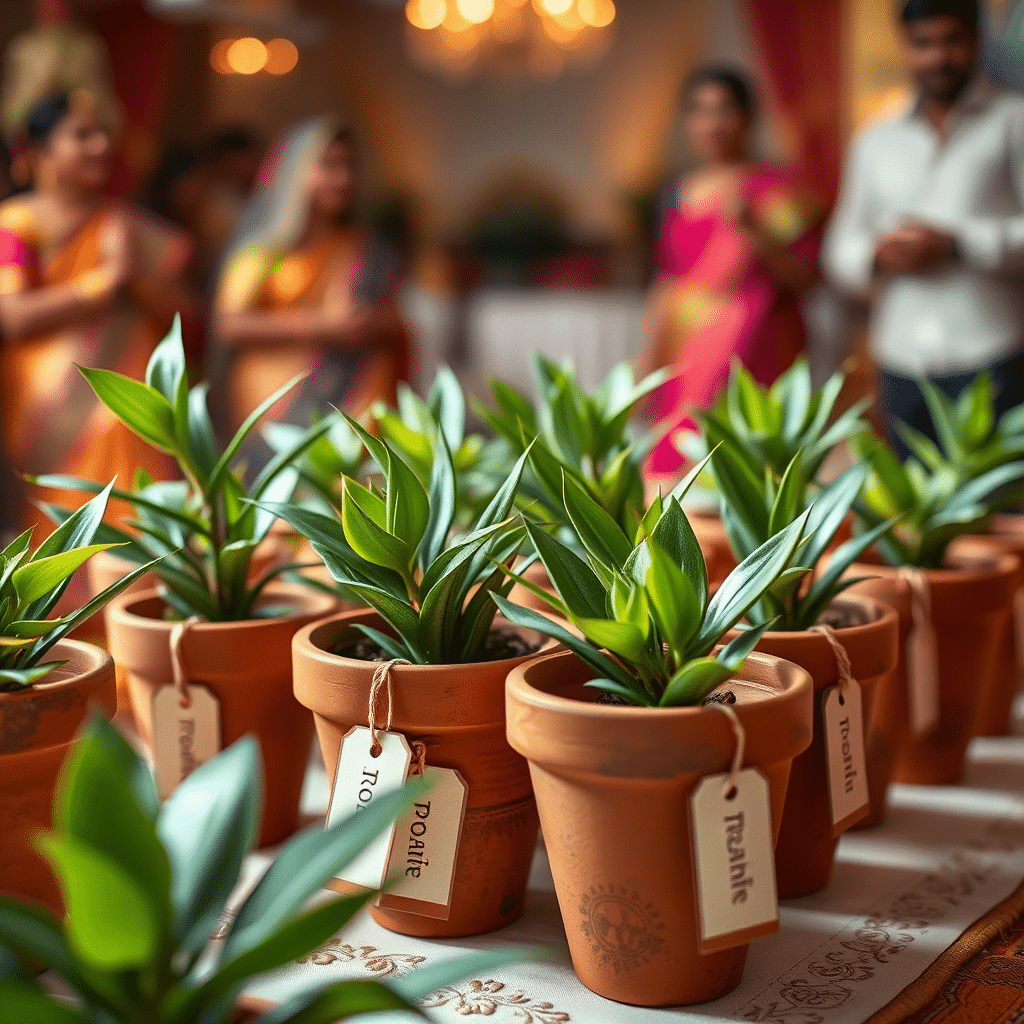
(37, 727)
(613, 786)
(869, 632)
(247, 666)
(458, 713)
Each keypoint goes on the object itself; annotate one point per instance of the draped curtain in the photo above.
(800, 43)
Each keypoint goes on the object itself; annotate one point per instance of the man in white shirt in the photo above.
(930, 223)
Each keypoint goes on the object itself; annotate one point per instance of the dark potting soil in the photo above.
(501, 645)
(719, 697)
(840, 616)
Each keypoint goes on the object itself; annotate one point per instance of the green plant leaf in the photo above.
(577, 584)
(674, 533)
(142, 409)
(35, 580)
(371, 542)
(672, 598)
(448, 405)
(693, 682)
(598, 532)
(442, 502)
(22, 1003)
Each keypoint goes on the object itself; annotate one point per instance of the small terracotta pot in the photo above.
(970, 598)
(458, 712)
(37, 726)
(612, 787)
(714, 544)
(880, 744)
(806, 848)
(1005, 533)
(247, 665)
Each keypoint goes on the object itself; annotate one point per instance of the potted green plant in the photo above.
(147, 887)
(431, 621)
(769, 425)
(618, 741)
(808, 597)
(236, 642)
(47, 683)
(954, 599)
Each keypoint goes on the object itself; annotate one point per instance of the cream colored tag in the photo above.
(922, 680)
(426, 847)
(186, 733)
(843, 721)
(1018, 628)
(733, 859)
(362, 778)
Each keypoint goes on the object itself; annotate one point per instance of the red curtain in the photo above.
(800, 43)
(142, 51)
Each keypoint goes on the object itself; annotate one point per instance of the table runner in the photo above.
(901, 894)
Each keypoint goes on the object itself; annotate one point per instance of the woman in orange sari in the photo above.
(304, 289)
(83, 280)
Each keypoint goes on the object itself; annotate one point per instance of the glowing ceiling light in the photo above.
(219, 57)
(426, 14)
(476, 12)
(246, 56)
(556, 6)
(597, 13)
(282, 56)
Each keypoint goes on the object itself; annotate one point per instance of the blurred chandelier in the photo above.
(539, 38)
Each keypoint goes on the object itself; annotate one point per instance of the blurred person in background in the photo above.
(83, 279)
(930, 223)
(738, 244)
(230, 161)
(304, 288)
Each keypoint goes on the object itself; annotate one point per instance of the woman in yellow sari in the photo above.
(83, 280)
(304, 289)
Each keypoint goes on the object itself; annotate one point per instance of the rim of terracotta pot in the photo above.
(51, 712)
(549, 725)
(423, 694)
(982, 577)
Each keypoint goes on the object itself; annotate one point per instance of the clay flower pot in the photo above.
(970, 600)
(1005, 532)
(37, 726)
(247, 665)
(458, 712)
(806, 847)
(613, 785)
(714, 545)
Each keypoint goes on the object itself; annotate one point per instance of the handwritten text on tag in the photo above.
(734, 859)
(426, 847)
(362, 778)
(186, 733)
(843, 721)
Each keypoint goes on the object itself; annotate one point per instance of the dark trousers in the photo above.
(902, 398)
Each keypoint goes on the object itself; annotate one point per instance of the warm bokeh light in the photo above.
(219, 57)
(475, 11)
(282, 56)
(426, 14)
(597, 13)
(246, 56)
(555, 6)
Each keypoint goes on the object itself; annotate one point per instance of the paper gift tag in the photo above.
(426, 845)
(733, 860)
(360, 779)
(186, 733)
(1018, 628)
(922, 680)
(843, 722)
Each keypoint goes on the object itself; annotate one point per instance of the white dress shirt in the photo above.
(965, 314)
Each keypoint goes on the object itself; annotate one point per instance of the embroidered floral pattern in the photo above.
(488, 998)
(381, 965)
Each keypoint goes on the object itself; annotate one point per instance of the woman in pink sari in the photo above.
(739, 243)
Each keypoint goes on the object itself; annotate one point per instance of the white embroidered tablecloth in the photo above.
(900, 895)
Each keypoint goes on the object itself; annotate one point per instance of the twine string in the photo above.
(842, 657)
(729, 789)
(921, 597)
(178, 659)
(381, 683)
(419, 758)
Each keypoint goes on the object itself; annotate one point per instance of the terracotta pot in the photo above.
(1005, 533)
(247, 665)
(970, 599)
(37, 727)
(714, 544)
(890, 690)
(458, 711)
(613, 787)
(806, 847)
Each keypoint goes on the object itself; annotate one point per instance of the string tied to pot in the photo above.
(381, 683)
(922, 654)
(729, 787)
(178, 670)
(843, 663)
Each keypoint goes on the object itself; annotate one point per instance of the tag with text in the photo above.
(186, 734)
(843, 722)
(362, 778)
(733, 860)
(922, 680)
(425, 848)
